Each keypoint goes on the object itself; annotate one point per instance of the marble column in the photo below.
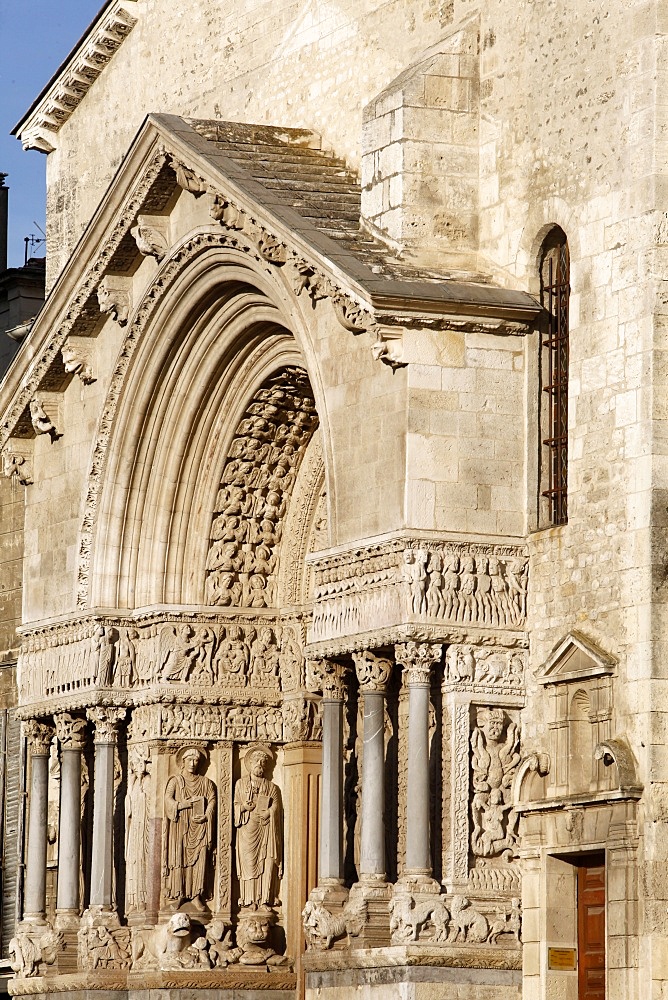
(106, 722)
(416, 660)
(331, 795)
(373, 674)
(39, 736)
(71, 732)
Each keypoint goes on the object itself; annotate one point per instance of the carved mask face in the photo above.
(495, 728)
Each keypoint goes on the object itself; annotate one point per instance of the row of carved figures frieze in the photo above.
(298, 718)
(200, 656)
(463, 584)
(429, 918)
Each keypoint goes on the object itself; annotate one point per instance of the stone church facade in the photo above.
(339, 453)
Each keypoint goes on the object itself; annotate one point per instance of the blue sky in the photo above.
(35, 38)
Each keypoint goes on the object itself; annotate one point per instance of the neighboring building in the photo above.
(342, 438)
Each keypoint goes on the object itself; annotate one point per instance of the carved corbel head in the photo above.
(17, 460)
(389, 346)
(150, 235)
(77, 353)
(114, 293)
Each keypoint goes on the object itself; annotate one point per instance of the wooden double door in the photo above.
(591, 928)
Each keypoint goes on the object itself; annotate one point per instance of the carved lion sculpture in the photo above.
(169, 943)
(467, 923)
(408, 917)
(28, 948)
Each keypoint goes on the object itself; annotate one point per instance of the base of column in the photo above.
(371, 896)
(67, 925)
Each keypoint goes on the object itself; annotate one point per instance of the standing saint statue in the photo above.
(190, 802)
(136, 830)
(258, 817)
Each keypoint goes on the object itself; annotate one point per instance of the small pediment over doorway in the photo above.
(575, 658)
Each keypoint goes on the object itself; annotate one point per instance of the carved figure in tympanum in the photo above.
(136, 830)
(495, 757)
(258, 818)
(190, 803)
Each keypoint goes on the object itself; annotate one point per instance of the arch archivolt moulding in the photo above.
(201, 270)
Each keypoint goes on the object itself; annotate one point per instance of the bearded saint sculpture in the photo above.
(190, 802)
(258, 817)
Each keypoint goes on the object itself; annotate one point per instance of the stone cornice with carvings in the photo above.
(66, 90)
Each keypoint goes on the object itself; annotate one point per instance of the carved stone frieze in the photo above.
(257, 481)
(302, 720)
(184, 655)
(33, 947)
(417, 659)
(373, 672)
(322, 927)
(483, 669)
(103, 943)
(480, 585)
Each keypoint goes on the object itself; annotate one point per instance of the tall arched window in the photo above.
(555, 290)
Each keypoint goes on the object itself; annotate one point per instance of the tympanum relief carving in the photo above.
(256, 485)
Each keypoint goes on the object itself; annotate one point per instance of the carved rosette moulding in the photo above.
(417, 659)
(71, 731)
(39, 736)
(106, 722)
(373, 672)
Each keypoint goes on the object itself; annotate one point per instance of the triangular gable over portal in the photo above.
(574, 658)
(300, 208)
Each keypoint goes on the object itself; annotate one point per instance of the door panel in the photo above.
(591, 932)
